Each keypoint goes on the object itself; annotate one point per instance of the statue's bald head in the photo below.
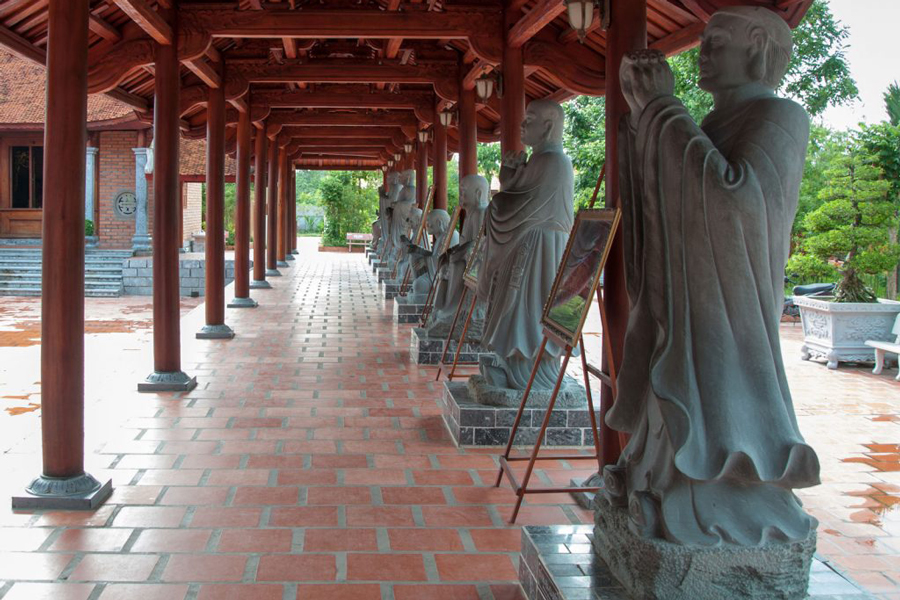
(767, 30)
(438, 221)
(544, 120)
(474, 191)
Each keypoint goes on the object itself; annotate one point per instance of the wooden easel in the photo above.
(432, 291)
(419, 234)
(468, 288)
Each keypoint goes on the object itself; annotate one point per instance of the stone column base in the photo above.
(177, 381)
(261, 284)
(215, 332)
(657, 569)
(273, 273)
(82, 492)
(242, 303)
(282, 263)
(289, 256)
(141, 244)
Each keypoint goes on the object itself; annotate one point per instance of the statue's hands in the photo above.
(645, 76)
(514, 160)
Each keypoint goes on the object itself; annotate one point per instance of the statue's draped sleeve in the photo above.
(707, 215)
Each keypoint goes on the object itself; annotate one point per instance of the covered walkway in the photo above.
(310, 462)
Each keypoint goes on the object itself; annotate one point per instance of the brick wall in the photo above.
(192, 202)
(116, 174)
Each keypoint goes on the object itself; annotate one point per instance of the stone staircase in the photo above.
(20, 272)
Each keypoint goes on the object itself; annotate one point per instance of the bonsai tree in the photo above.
(848, 233)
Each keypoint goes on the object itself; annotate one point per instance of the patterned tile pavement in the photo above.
(312, 463)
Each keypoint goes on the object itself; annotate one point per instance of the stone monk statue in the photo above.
(526, 228)
(424, 261)
(715, 450)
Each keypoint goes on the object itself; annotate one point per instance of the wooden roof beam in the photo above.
(205, 71)
(537, 18)
(104, 29)
(147, 19)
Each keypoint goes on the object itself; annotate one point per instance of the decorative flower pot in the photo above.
(838, 331)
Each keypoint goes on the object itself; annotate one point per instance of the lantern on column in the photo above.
(446, 117)
(384, 168)
(408, 147)
(397, 157)
(581, 15)
(390, 162)
(424, 136)
(484, 87)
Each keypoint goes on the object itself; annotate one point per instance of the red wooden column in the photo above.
(421, 173)
(282, 208)
(513, 101)
(242, 217)
(259, 222)
(215, 327)
(167, 375)
(468, 133)
(440, 162)
(627, 31)
(272, 212)
(289, 233)
(294, 210)
(62, 305)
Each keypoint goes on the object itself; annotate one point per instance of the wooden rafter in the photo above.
(147, 19)
(537, 18)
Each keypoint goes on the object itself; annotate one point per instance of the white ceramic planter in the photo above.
(838, 332)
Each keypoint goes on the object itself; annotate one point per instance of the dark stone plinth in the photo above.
(260, 284)
(72, 493)
(384, 274)
(177, 381)
(391, 288)
(656, 569)
(558, 563)
(586, 499)
(273, 273)
(243, 303)
(295, 251)
(282, 264)
(289, 257)
(571, 395)
(424, 350)
(473, 424)
(407, 312)
(215, 332)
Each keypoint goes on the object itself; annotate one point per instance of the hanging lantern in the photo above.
(390, 162)
(384, 168)
(484, 87)
(408, 147)
(581, 15)
(397, 157)
(446, 117)
(424, 136)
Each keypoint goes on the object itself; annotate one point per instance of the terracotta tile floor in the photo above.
(312, 463)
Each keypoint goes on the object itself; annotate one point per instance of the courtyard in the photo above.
(312, 462)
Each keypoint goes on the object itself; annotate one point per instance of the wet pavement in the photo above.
(311, 461)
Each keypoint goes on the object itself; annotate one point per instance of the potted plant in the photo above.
(847, 237)
(91, 240)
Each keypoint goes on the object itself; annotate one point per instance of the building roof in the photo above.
(192, 158)
(23, 95)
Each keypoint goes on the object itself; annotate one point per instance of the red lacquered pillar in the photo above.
(440, 162)
(242, 217)
(282, 207)
(259, 223)
(272, 212)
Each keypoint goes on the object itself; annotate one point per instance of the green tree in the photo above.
(818, 75)
(489, 160)
(584, 140)
(350, 199)
(849, 230)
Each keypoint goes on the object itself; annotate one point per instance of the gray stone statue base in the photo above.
(215, 332)
(391, 287)
(407, 312)
(425, 350)
(654, 569)
(384, 273)
(260, 285)
(83, 492)
(571, 394)
(273, 273)
(177, 381)
(242, 303)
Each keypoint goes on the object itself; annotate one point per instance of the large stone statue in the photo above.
(715, 449)
(424, 261)
(391, 196)
(411, 218)
(526, 228)
(474, 194)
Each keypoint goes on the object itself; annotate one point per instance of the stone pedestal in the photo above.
(473, 424)
(391, 287)
(571, 395)
(141, 242)
(657, 569)
(383, 274)
(90, 179)
(424, 350)
(406, 312)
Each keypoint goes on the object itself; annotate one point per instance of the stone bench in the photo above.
(882, 348)
(358, 239)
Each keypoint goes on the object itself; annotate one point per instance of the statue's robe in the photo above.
(422, 284)
(393, 225)
(526, 228)
(701, 388)
(450, 282)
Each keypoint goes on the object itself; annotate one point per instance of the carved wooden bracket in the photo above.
(564, 67)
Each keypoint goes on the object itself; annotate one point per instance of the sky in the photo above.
(873, 56)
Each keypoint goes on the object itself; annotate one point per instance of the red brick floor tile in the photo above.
(202, 461)
(456, 516)
(497, 540)
(385, 567)
(339, 591)
(258, 422)
(435, 592)
(108, 567)
(135, 494)
(144, 591)
(306, 477)
(379, 516)
(266, 495)
(374, 477)
(441, 477)
(413, 495)
(205, 568)
(256, 540)
(49, 591)
(536, 515)
(195, 496)
(260, 591)
(508, 591)
(34, 566)
(276, 461)
(339, 540)
(338, 495)
(97, 518)
(409, 539)
(226, 517)
(238, 477)
(146, 461)
(90, 540)
(340, 462)
(475, 567)
(171, 540)
(149, 516)
(304, 567)
(22, 539)
(304, 516)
